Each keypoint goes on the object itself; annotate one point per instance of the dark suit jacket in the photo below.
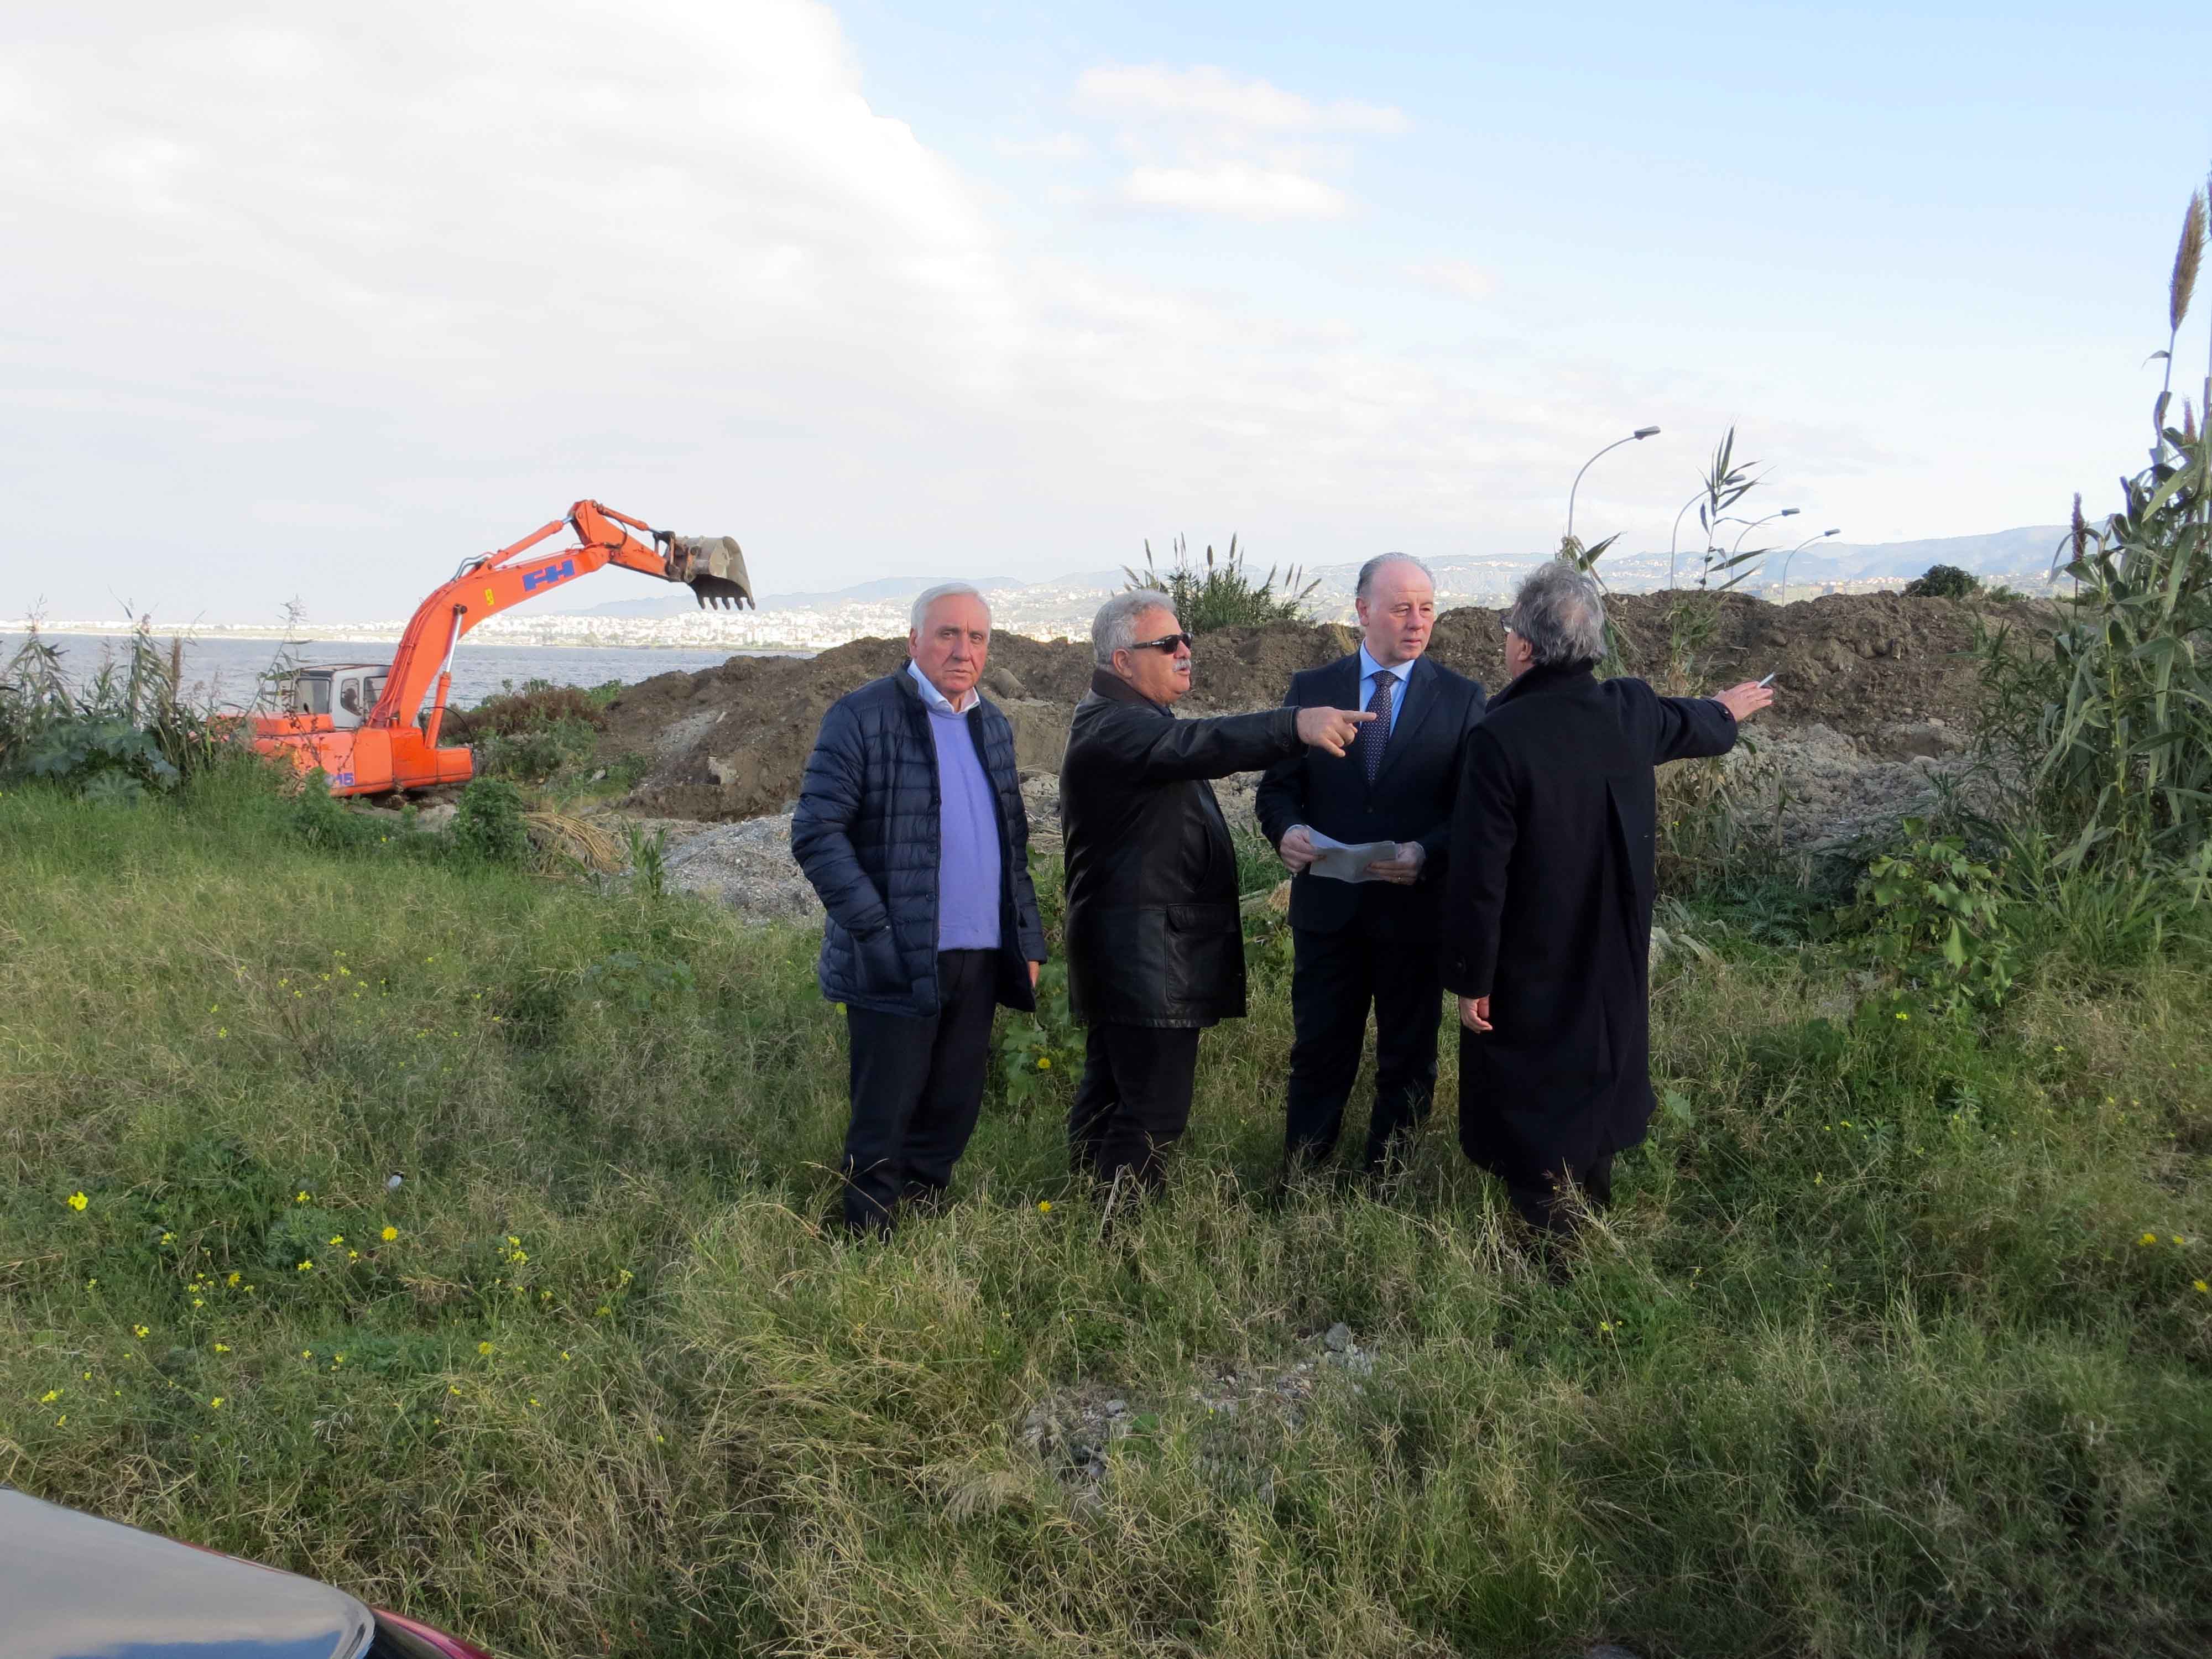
(1411, 799)
(1548, 912)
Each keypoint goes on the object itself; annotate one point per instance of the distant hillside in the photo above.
(2022, 556)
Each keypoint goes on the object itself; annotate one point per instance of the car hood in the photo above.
(76, 1587)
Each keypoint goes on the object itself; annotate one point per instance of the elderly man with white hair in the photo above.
(910, 825)
(1547, 908)
(1155, 948)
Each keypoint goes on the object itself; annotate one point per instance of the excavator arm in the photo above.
(712, 566)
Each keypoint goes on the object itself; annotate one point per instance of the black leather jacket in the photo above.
(1154, 937)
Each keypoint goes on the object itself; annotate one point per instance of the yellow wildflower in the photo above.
(1044, 1207)
(483, 1347)
(391, 1233)
(140, 1331)
(78, 1200)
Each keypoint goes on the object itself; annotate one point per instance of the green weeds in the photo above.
(1893, 1344)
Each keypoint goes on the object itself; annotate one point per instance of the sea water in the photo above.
(226, 670)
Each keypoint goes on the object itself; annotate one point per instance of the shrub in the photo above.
(536, 706)
(1943, 581)
(1222, 594)
(535, 754)
(488, 823)
(124, 732)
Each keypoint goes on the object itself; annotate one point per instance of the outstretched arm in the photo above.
(1689, 728)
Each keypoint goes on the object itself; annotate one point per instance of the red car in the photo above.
(73, 1586)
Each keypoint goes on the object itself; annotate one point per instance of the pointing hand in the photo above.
(1331, 729)
(1745, 700)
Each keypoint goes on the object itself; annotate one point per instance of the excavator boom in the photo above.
(394, 744)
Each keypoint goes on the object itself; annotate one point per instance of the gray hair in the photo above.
(1561, 612)
(1115, 628)
(930, 596)
(1373, 567)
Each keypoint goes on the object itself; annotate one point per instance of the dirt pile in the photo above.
(732, 742)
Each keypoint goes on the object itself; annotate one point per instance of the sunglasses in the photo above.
(1166, 642)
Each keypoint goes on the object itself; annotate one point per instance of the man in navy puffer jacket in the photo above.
(911, 827)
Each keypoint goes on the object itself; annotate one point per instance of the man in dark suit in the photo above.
(1356, 943)
(1548, 912)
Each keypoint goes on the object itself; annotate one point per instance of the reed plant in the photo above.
(1222, 592)
(2105, 719)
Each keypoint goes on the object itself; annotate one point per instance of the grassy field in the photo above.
(1899, 1342)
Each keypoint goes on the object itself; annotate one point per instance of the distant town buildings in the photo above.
(1061, 608)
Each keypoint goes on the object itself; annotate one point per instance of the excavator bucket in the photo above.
(715, 569)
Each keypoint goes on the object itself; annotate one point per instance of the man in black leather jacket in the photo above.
(1155, 949)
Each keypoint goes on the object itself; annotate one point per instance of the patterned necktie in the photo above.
(1375, 737)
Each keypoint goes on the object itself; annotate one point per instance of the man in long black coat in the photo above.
(1376, 941)
(1155, 944)
(1547, 918)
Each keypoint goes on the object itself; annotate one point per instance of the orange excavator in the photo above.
(362, 726)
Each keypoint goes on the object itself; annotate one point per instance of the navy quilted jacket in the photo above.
(865, 834)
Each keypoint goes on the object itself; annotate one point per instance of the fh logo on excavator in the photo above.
(534, 580)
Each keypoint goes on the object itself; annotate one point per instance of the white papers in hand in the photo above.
(1340, 862)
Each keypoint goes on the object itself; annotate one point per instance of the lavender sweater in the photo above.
(968, 914)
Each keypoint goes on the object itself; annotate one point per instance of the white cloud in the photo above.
(1456, 277)
(1203, 141)
(1212, 96)
(1236, 188)
(318, 305)
(1055, 147)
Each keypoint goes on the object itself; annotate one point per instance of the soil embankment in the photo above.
(1876, 676)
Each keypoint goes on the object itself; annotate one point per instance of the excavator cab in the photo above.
(343, 691)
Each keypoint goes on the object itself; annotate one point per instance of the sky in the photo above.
(312, 303)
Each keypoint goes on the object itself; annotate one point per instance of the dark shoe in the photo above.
(924, 1198)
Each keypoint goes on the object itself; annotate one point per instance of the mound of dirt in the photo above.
(732, 742)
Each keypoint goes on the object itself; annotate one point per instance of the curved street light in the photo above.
(1786, 513)
(1675, 535)
(1641, 432)
(1783, 596)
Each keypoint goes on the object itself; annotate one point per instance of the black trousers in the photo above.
(1133, 1101)
(1544, 1206)
(1333, 978)
(917, 1088)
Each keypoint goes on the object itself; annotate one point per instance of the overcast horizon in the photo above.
(320, 304)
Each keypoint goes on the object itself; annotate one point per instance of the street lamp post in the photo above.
(1783, 597)
(1786, 513)
(1676, 534)
(1641, 432)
